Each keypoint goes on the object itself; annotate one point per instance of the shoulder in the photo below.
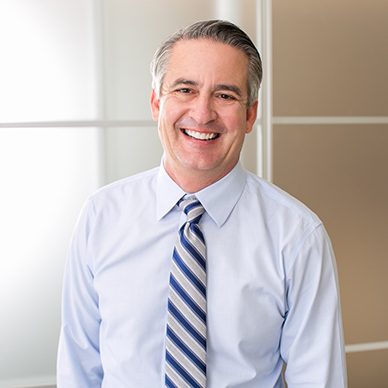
(125, 194)
(278, 206)
(136, 185)
(290, 227)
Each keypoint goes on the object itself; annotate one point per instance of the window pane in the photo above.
(46, 174)
(47, 67)
(131, 150)
(132, 32)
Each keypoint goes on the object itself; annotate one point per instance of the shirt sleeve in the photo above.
(312, 338)
(78, 363)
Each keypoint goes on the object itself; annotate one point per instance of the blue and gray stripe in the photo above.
(186, 318)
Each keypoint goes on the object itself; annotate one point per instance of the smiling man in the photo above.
(203, 112)
(198, 273)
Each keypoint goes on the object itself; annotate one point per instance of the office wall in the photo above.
(79, 64)
(330, 150)
(47, 75)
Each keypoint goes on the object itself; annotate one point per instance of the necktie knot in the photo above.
(192, 208)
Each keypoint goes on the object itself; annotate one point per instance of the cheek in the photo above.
(236, 123)
(166, 128)
(172, 109)
(166, 120)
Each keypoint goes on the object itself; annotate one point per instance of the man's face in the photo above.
(202, 109)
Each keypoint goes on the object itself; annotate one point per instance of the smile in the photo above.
(200, 135)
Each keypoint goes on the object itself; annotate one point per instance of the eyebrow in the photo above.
(183, 81)
(229, 87)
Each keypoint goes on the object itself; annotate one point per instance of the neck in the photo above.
(194, 181)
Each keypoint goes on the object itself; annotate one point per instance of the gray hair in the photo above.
(219, 31)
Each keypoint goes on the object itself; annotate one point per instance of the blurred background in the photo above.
(74, 115)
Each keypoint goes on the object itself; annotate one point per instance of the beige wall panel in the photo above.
(341, 172)
(330, 57)
(368, 369)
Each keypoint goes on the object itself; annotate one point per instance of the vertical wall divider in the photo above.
(98, 30)
(264, 43)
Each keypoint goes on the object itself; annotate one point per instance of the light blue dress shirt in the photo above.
(272, 287)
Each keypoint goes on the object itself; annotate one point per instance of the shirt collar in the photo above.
(168, 193)
(218, 199)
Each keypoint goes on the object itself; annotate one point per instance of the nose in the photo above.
(203, 110)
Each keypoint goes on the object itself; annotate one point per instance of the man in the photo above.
(247, 286)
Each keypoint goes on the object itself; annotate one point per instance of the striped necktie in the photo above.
(186, 317)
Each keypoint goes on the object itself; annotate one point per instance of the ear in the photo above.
(251, 116)
(155, 105)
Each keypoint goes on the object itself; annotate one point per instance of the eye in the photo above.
(183, 90)
(226, 97)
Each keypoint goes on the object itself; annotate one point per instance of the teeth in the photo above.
(200, 135)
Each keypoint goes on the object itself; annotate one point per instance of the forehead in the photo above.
(207, 60)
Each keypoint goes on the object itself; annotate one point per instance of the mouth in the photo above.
(208, 136)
